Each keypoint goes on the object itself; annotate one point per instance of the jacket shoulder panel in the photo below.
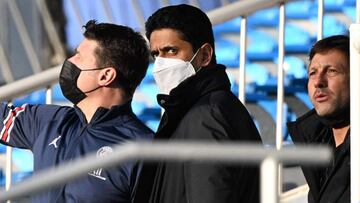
(222, 115)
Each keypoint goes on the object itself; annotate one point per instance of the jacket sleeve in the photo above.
(217, 182)
(20, 125)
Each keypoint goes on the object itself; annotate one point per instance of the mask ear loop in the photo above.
(193, 59)
(93, 69)
(194, 55)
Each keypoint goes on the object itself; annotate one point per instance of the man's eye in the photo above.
(172, 51)
(332, 72)
(312, 73)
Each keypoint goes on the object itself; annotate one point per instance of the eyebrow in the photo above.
(165, 48)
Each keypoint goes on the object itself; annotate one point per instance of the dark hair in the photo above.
(122, 48)
(193, 25)
(338, 42)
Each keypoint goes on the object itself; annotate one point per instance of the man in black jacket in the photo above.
(329, 122)
(195, 93)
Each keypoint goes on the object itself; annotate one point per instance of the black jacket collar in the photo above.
(182, 97)
(309, 129)
(206, 80)
(104, 114)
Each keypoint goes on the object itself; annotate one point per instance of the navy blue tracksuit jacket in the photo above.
(57, 134)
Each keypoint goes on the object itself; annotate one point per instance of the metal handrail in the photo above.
(24, 36)
(5, 66)
(108, 11)
(31, 83)
(174, 151)
(320, 25)
(60, 53)
(241, 8)
(355, 111)
(242, 59)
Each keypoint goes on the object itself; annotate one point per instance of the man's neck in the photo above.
(90, 104)
(340, 134)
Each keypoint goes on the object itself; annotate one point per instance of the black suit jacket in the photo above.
(330, 184)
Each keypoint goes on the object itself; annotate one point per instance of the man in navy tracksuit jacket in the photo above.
(100, 80)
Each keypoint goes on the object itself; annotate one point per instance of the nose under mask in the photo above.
(69, 75)
(170, 72)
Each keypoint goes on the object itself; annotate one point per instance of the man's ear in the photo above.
(107, 76)
(206, 54)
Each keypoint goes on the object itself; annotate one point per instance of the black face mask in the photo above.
(68, 82)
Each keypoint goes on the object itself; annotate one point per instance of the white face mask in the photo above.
(170, 72)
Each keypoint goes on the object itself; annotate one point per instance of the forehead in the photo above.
(166, 37)
(332, 57)
(87, 46)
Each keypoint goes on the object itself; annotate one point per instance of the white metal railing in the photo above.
(178, 151)
(355, 111)
(320, 26)
(242, 58)
(8, 168)
(28, 84)
(5, 66)
(54, 38)
(24, 36)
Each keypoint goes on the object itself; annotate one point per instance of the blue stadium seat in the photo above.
(227, 53)
(300, 9)
(36, 97)
(2, 148)
(250, 95)
(261, 46)
(231, 26)
(333, 5)
(149, 78)
(153, 124)
(294, 67)
(271, 86)
(256, 73)
(297, 40)
(23, 159)
(2, 178)
(137, 107)
(57, 94)
(350, 2)
(149, 92)
(333, 27)
(266, 17)
(17, 177)
(270, 106)
(151, 117)
(350, 11)
(297, 85)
